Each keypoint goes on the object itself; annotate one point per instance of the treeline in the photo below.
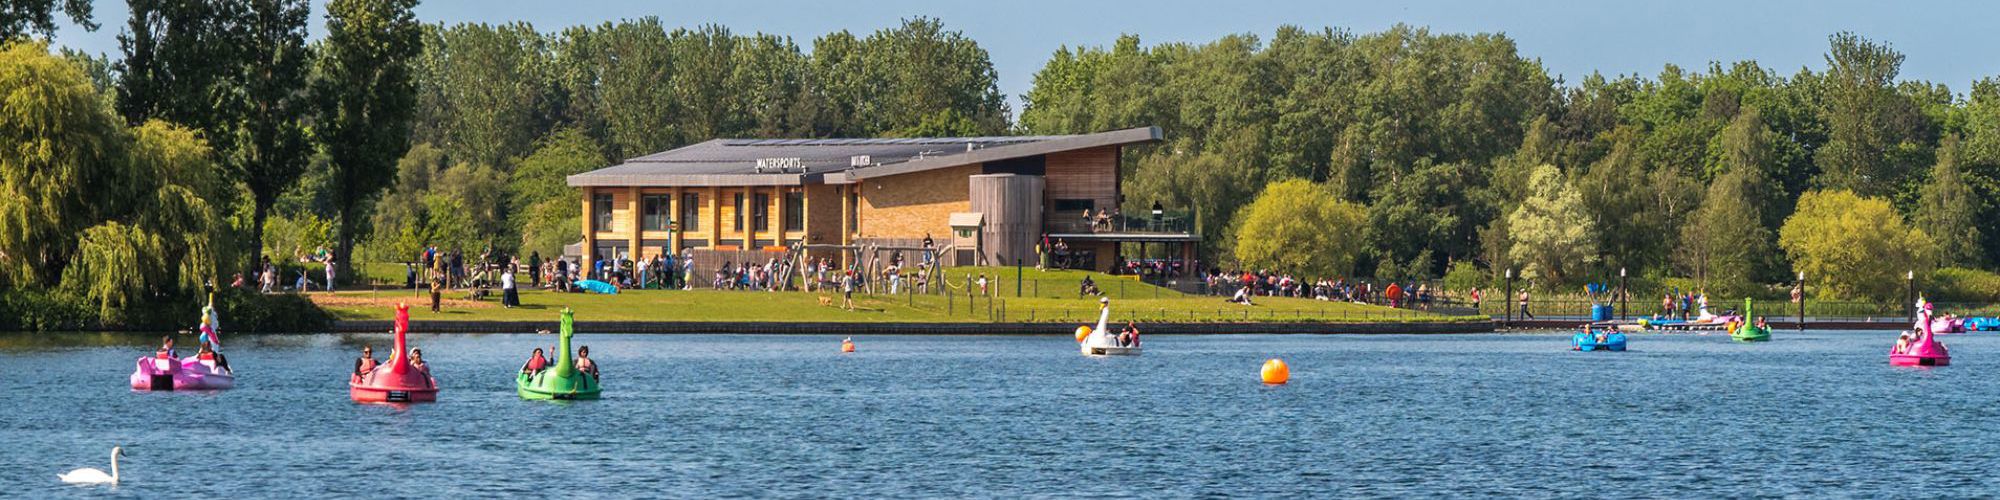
(1405, 154)
(1466, 157)
(505, 112)
(133, 184)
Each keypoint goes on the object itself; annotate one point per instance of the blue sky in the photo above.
(1950, 42)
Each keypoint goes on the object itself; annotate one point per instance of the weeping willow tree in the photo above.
(166, 242)
(91, 208)
(58, 147)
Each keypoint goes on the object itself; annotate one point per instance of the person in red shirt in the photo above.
(536, 363)
(366, 363)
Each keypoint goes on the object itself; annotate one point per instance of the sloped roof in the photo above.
(782, 162)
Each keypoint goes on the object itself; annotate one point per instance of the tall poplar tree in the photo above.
(365, 98)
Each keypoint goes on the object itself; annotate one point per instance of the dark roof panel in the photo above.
(796, 161)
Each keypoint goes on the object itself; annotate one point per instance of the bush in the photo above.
(41, 311)
(1955, 284)
(1464, 276)
(248, 311)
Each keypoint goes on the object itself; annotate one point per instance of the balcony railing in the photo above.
(1077, 224)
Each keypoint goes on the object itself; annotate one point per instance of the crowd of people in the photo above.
(1243, 285)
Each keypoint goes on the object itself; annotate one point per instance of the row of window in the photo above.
(656, 208)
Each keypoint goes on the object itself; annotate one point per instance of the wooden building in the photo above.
(989, 199)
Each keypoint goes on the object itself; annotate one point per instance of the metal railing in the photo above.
(1078, 224)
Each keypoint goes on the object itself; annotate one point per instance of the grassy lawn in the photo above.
(1046, 296)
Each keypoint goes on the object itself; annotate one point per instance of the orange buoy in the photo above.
(847, 345)
(1275, 372)
(1082, 332)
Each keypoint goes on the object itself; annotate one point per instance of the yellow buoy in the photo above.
(1082, 332)
(1275, 372)
(847, 345)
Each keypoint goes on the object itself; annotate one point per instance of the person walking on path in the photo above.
(1524, 305)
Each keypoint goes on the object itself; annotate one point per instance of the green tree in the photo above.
(166, 243)
(1553, 237)
(365, 99)
(1856, 247)
(487, 89)
(272, 148)
(543, 203)
(1296, 227)
(20, 18)
(1725, 242)
(1436, 211)
(435, 202)
(612, 76)
(1949, 210)
(1869, 125)
(60, 175)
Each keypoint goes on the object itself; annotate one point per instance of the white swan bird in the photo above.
(91, 475)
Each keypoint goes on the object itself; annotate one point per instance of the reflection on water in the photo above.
(737, 415)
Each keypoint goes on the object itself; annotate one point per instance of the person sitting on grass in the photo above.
(1087, 288)
(1242, 297)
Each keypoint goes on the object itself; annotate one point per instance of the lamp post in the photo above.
(1507, 300)
(1910, 299)
(1622, 312)
(1802, 300)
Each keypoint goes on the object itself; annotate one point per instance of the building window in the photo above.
(738, 219)
(600, 211)
(690, 212)
(658, 212)
(1066, 207)
(760, 212)
(795, 211)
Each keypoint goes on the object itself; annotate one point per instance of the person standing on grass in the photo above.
(847, 290)
(327, 259)
(535, 268)
(509, 297)
(437, 291)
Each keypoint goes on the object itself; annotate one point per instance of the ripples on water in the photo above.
(1811, 414)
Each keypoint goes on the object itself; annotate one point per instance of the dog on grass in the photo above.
(825, 301)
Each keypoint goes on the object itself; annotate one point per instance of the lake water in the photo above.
(1812, 414)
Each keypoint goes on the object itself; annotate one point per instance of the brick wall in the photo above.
(909, 205)
(822, 214)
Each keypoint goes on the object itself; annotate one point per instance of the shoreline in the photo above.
(911, 328)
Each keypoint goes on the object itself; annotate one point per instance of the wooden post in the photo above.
(674, 211)
(634, 215)
(589, 228)
(714, 217)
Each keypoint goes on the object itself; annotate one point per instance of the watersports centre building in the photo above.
(983, 200)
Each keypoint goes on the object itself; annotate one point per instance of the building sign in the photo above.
(780, 164)
(859, 161)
